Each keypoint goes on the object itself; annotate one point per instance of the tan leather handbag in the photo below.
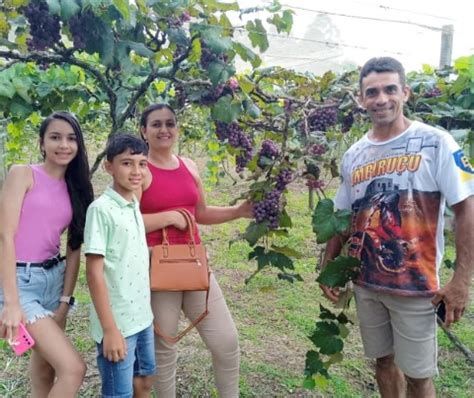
(180, 267)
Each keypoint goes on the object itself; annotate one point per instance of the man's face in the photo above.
(383, 96)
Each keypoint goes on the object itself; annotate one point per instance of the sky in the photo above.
(323, 41)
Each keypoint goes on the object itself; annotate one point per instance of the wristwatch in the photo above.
(70, 300)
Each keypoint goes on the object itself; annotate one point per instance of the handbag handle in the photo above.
(174, 339)
(191, 227)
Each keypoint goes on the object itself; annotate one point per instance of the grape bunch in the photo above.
(284, 177)
(212, 95)
(76, 27)
(44, 27)
(268, 208)
(432, 93)
(236, 138)
(268, 151)
(322, 119)
(208, 57)
(317, 149)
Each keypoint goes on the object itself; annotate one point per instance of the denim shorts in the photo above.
(117, 377)
(39, 290)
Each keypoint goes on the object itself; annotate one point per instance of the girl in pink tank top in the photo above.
(38, 203)
(173, 183)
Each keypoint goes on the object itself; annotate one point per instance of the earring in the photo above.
(43, 153)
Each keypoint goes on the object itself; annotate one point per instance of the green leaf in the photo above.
(123, 7)
(215, 40)
(69, 8)
(327, 223)
(220, 72)
(314, 365)
(287, 250)
(280, 260)
(178, 36)
(257, 34)
(255, 231)
(290, 277)
(54, 6)
(324, 313)
(195, 53)
(22, 85)
(247, 54)
(339, 271)
(140, 49)
(262, 258)
(326, 338)
(226, 110)
(7, 89)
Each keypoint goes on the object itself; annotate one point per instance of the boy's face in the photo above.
(383, 96)
(128, 171)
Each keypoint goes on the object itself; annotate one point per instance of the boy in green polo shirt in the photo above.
(117, 267)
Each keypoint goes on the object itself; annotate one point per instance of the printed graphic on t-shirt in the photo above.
(394, 236)
(397, 192)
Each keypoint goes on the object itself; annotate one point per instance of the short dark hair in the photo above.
(121, 142)
(380, 65)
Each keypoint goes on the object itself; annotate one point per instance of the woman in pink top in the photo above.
(172, 183)
(39, 202)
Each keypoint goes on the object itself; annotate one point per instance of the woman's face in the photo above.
(161, 130)
(59, 143)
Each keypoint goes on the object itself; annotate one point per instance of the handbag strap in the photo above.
(190, 223)
(173, 340)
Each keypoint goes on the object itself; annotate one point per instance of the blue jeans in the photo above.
(117, 377)
(39, 290)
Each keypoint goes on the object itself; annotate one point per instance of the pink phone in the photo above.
(23, 342)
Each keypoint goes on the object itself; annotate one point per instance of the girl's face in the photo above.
(59, 143)
(161, 130)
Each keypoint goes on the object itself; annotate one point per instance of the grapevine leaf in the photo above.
(220, 72)
(262, 258)
(178, 36)
(309, 383)
(255, 231)
(140, 49)
(7, 89)
(257, 34)
(335, 358)
(54, 7)
(344, 331)
(339, 271)
(343, 319)
(287, 250)
(285, 220)
(123, 7)
(314, 365)
(321, 381)
(226, 110)
(326, 338)
(215, 41)
(69, 8)
(280, 260)
(324, 313)
(327, 223)
(247, 54)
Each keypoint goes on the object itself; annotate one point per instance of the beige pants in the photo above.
(217, 330)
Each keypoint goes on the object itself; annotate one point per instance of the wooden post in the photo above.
(447, 35)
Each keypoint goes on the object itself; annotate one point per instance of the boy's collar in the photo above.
(119, 199)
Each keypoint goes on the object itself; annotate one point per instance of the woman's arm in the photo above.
(215, 214)
(70, 279)
(19, 180)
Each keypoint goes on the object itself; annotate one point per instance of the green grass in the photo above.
(273, 318)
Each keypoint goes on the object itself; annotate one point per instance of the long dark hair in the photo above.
(149, 109)
(77, 179)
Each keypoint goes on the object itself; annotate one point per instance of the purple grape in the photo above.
(322, 119)
(44, 27)
(268, 209)
(317, 149)
(235, 136)
(268, 151)
(283, 179)
(432, 93)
